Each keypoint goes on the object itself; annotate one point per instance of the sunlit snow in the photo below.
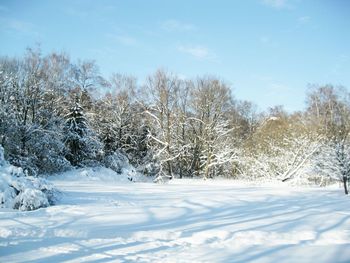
(183, 221)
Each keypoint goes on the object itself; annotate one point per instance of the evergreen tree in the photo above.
(82, 145)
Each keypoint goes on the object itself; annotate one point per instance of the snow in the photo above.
(273, 118)
(22, 192)
(127, 174)
(182, 221)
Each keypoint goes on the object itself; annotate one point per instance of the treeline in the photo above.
(56, 114)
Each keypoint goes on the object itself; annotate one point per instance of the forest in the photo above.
(56, 115)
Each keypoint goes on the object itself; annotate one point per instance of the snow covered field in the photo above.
(184, 221)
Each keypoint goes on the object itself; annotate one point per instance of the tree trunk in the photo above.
(206, 171)
(345, 185)
(170, 170)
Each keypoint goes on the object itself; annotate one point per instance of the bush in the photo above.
(116, 161)
(22, 192)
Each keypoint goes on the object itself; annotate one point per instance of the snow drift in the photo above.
(21, 192)
(182, 221)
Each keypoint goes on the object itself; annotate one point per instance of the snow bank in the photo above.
(23, 193)
(114, 168)
(181, 221)
(127, 174)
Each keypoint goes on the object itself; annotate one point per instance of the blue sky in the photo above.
(269, 51)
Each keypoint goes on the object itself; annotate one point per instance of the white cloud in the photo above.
(126, 40)
(264, 40)
(268, 42)
(278, 4)
(198, 52)
(76, 12)
(175, 25)
(304, 19)
(18, 26)
(123, 40)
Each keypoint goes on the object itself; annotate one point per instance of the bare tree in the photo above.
(329, 111)
(163, 89)
(211, 100)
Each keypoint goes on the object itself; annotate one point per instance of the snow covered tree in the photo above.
(244, 118)
(116, 115)
(33, 100)
(23, 193)
(170, 127)
(83, 147)
(282, 148)
(333, 162)
(163, 91)
(119, 123)
(6, 100)
(329, 112)
(182, 133)
(212, 147)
